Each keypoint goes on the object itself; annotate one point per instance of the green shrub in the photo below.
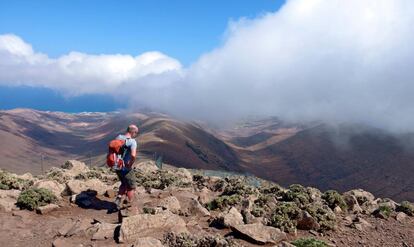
(323, 214)
(35, 197)
(10, 182)
(309, 242)
(159, 179)
(58, 175)
(89, 175)
(383, 211)
(257, 211)
(298, 194)
(406, 207)
(149, 210)
(237, 186)
(224, 201)
(333, 199)
(189, 240)
(284, 216)
(273, 189)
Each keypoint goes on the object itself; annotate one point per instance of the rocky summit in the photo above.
(73, 206)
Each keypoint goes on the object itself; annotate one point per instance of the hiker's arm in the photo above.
(133, 157)
(133, 154)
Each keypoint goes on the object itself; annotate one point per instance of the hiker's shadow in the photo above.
(88, 200)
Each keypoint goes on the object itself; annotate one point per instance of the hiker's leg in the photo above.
(123, 187)
(130, 194)
(131, 184)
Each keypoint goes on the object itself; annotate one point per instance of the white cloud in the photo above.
(76, 72)
(336, 61)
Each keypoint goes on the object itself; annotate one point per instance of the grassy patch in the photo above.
(309, 242)
(36, 197)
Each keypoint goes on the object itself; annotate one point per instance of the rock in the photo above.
(226, 220)
(361, 224)
(361, 195)
(205, 196)
(352, 203)
(77, 186)
(66, 228)
(314, 194)
(79, 227)
(141, 225)
(148, 242)
(26, 176)
(337, 210)
(61, 242)
(195, 208)
(110, 193)
(307, 222)
(147, 166)
(233, 217)
(105, 231)
(286, 244)
(47, 208)
(260, 234)
(74, 167)
(184, 175)
(56, 188)
(400, 217)
(8, 200)
(171, 203)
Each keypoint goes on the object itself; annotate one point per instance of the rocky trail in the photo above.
(73, 206)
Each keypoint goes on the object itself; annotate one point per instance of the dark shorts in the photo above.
(127, 178)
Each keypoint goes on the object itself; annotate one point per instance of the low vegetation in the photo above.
(309, 242)
(33, 198)
(188, 240)
(406, 207)
(9, 182)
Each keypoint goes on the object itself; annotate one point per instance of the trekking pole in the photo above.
(41, 163)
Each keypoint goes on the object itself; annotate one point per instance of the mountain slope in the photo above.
(311, 154)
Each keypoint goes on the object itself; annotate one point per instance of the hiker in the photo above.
(125, 172)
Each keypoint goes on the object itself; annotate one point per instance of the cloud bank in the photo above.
(334, 61)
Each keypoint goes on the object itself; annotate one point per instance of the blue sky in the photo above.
(183, 29)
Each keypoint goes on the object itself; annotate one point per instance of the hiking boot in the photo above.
(118, 202)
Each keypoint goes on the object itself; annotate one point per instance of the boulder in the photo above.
(205, 195)
(171, 203)
(148, 242)
(105, 231)
(226, 220)
(232, 218)
(400, 217)
(352, 203)
(184, 174)
(47, 208)
(361, 224)
(147, 166)
(307, 222)
(361, 195)
(74, 167)
(260, 234)
(25, 176)
(195, 208)
(285, 244)
(61, 242)
(56, 188)
(110, 193)
(8, 200)
(80, 227)
(78, 186)
(141, 225)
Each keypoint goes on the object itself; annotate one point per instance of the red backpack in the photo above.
(116, 152)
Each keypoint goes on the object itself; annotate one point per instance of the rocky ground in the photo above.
(73, 206)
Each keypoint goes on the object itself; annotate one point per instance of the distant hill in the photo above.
(311, 154)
